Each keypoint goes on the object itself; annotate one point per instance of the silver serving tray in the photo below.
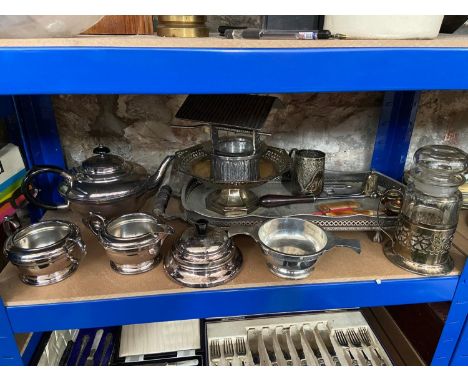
(195, 192)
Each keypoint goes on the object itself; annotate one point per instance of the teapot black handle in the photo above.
(162, 200)
(28, 191)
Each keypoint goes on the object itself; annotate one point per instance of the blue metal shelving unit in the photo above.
(401, 72)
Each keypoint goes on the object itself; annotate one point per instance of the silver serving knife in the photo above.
(310, 339)
(252, 338)
(325, 335)
(94, 346)
(283, 342)
(268, 342)
(296, 340)
(84, 343)
(105, 349)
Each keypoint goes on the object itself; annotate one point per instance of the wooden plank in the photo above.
(95, 280)
(444, 41)
(122, 25)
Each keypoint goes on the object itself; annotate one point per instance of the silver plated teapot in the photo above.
(105, 184)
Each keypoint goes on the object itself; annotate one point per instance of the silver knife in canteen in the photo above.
(325, 335)
(252, 338)
(296, 340)
(84, 343)
(94, 346)
(310, 339)
(268, 342)
(105, 349)
(283, 342)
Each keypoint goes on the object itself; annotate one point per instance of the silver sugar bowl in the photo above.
(44, 253)
(203, 257)
(132, 241)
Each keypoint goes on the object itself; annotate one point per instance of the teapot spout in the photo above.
(156, 179)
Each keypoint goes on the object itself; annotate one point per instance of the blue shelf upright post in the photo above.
(30, 122)
(452, 348)
(9, 353)
(394, 132)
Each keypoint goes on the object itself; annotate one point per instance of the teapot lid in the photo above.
(104, 164)
(105, 177)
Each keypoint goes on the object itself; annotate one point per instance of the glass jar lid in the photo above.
(202, 243)
(104, 177)
(440, 165)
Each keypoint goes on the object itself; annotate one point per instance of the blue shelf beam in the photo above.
(103, 70)
(235, 302)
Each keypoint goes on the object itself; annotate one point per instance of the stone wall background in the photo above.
(343, 125)
(442, 118)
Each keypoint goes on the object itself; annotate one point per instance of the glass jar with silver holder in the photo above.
(44, 253)
(429, 214)
(292, 246)
(132, 241)
(105, 184)
(203, 257)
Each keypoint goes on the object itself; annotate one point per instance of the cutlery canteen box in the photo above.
(327, 323)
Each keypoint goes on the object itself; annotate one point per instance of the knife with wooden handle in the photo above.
(310, 339)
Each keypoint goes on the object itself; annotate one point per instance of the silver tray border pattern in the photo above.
(184, 159)
(329, 223)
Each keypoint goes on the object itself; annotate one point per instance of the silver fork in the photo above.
(367, 341)
(215, 352)
(241, 350)
(355, 341)
(341, 339)
(228, 351)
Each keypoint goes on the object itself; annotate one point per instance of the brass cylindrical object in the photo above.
(182, 26)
